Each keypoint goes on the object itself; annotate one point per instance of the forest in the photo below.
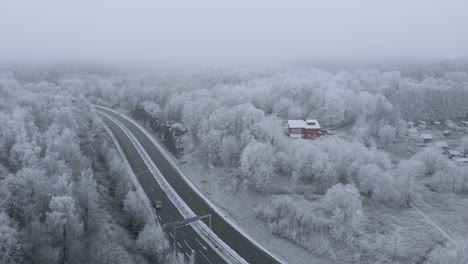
(64, 189)
(65, 194)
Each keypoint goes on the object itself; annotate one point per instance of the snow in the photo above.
(308, 124)
(241, 206)
(426, 136)
(414, 230)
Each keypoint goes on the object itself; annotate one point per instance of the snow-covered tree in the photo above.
(343, 204)
(257, 165)
(151, 243)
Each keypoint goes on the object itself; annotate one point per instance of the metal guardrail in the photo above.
(206, 233)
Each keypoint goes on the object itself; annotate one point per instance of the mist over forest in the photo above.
(305, 131)
(58, 165)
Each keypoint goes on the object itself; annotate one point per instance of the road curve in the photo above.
(188, 240)
(245, 248)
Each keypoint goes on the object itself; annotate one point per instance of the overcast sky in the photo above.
(224, 31)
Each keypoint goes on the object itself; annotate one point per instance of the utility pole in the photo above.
(181, 223)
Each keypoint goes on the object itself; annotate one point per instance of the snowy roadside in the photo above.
(241, 206)
(416, 236)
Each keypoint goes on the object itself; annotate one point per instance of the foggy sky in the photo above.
(206, 32)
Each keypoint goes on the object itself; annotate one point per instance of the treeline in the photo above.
(235, 119)
(65, 195)
(227, 117)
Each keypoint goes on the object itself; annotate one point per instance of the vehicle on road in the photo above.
(157, 204)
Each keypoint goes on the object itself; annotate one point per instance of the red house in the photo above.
(309, 128)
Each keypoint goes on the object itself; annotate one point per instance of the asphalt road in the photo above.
(246, 249)
(186, 237)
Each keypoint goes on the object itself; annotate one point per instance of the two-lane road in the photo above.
(230, 235)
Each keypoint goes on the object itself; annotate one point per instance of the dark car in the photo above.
(157, 204)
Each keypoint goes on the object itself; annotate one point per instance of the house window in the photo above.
(296, 131)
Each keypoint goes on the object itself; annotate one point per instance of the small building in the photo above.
(461, 161)
(413, 132)
(449, 123)
(465, 123)
(454, 153)
(446, 133)
(426, 138)
(422, 124)
(409, 124)
(309, 128)
(442, 144)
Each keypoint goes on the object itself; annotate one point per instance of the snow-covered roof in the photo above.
(309, 124)
(461, 160)
(410, 123)
(441, 144)
(454, 152)
(426, 136)
(413, 130)
(422, 122)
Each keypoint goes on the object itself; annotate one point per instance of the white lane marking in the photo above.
(159, 217)
(170, 190)
(241, 246)
(201, 244)
(171, 216)
(187, 254)
(188, 245)
(152, 188)
(184, 233)
(171, 235)
(179, 244)
(205, 256)
(219, 227)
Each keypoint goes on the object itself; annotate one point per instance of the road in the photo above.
(187, 239)
(231, 236)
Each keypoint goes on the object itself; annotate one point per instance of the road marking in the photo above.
(159, 217)
(241, 246)
(179, 244)
(135, 148)
(184, 233)
(188, 245)
(187, 254)
(219, 227)
(205, 257)
(171, 216)
(201, 244)
(171, 235)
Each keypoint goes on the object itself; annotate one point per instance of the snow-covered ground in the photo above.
(241, 206)
(389, 230)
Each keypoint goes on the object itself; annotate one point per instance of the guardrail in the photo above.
(199, 193)
(207, 234)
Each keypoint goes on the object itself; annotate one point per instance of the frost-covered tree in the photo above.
(405, 176)
(137, 212)
(11, 250)
(151, 243)
(344, 206)
(257, 165)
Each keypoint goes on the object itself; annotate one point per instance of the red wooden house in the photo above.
(308, 128)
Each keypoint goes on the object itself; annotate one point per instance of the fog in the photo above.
(225, 32)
